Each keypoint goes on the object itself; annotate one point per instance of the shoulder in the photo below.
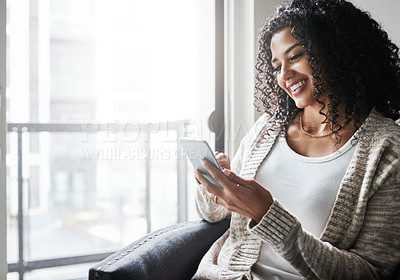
(378, 130)
(257, 132)
(379, 144)
(258, 128)
(254, 134)
(378, 151)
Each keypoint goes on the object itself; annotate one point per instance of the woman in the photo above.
(314, 191)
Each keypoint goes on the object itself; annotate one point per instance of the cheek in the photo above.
(283, 86)
(306, 69)
(311, 82)
(280, 83)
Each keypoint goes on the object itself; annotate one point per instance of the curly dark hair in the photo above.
(352, 59)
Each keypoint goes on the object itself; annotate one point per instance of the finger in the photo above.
(211, 188)
(197, 180)
(235, 178)
(223, 162)
(220, 155)
(216, 173)
(205, 192)
(217, 199)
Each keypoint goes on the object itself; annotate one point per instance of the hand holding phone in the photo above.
(196, 150)
(223, 160)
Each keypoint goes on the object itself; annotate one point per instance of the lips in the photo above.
(295, 86)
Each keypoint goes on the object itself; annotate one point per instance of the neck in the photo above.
(313, 122)
(317, 123)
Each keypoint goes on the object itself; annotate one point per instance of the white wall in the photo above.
(243, 20)
(386, 12)
(239, 59)
(3, 208)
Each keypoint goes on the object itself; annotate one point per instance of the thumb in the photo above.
(235, 178)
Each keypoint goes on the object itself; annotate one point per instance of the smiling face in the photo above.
(293, 72)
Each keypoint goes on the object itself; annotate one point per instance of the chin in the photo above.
(299, 104)
(304, 102)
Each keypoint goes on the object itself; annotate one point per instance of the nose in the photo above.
(286, 72)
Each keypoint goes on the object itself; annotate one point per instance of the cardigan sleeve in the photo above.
(374, 254)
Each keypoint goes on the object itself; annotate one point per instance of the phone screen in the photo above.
(196, 150)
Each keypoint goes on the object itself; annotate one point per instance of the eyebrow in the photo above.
(288, 50)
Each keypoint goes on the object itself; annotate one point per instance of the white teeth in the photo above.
(296, 86)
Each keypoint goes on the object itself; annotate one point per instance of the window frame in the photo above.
(22, 265)
(3, 150)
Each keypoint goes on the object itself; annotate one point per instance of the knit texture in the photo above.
(361, 239)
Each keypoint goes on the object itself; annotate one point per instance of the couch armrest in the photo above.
(170, 253)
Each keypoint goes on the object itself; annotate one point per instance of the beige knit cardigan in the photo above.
(361, 239)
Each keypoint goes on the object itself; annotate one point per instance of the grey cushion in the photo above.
(170, 253)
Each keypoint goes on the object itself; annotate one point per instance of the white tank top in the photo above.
(307, 187)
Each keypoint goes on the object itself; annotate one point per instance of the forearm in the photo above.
(316, 259)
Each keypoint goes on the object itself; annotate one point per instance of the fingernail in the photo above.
(227, 172)
(203, 160)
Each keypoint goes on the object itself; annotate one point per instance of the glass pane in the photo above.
(84, 192)
(163, 180)
(12, 276)
(12, 198)
(117, 69)
(126, 61)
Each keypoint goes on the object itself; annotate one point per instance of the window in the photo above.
(97, 94)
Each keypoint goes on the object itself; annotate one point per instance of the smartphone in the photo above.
(196, 150)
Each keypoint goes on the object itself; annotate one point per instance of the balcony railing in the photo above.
(22, 265)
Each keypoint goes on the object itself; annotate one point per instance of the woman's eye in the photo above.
(296, 56)
(276, 69)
